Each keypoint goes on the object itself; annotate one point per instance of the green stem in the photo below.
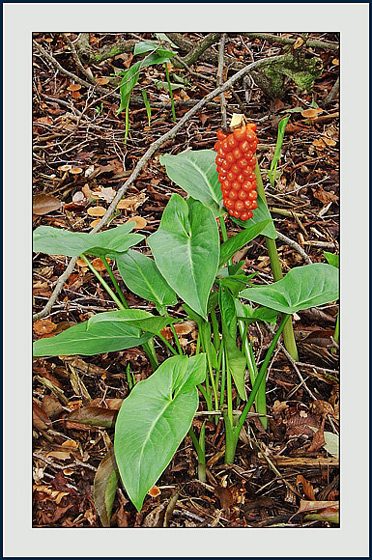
(260, 401)
(288, 334)
(147, 346)
(223, 228)
(232, 432)
(170, 92)
(223, 377)
(200, 451)
(163, 339)
(114, 281)
(103, 282)
(176, 340)
(216, 333)
(126, 122)
(336, 335)
(262, 373)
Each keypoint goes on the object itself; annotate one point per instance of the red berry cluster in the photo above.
(235, 163)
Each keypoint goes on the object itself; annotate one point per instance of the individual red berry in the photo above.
(239, 133)
(230, 158)
(221, 135)
(235, 169)
(243, 195)
(233, 195)
(236, 186)
(252, 195)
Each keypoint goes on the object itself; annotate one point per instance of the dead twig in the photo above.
(219, 80)
(295, 246)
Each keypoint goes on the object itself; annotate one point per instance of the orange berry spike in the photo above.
(235, 164)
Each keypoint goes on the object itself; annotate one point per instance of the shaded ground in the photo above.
(79, 127)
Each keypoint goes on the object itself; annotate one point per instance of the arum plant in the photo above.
(191, 266)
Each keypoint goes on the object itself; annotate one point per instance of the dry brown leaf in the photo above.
(40, 419)
(310, 505)
(51, 406)
(86, 190)
(325, 197)
(95, 223)
(321, 407)
(96, 211)
(61, 455)
(279, 407)
(154, 491)
(105, 193)
(185, 327)
(44, 326)
(306, 486)
(44, 203)
(318, 439)
(225, 496)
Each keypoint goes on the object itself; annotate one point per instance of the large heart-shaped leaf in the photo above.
(195, 172)
(153, 421)
(303, 287)
(79, 339)
(54, 241)
(134, 317)
(186, 250)
(232, 245)
(261, 214)
(143, 278)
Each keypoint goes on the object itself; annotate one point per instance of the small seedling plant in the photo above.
(190, 264)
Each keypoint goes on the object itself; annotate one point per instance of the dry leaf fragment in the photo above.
(106, 193)
(44, 326)
(96, 211)
(40, 420)
(154, 491)
(322, 407)
(44, 203)
(306, 486)
(86, 190)
(279, 407)
(185, 327)
(95, 223)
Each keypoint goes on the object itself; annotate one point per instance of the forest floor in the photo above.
(75, 123)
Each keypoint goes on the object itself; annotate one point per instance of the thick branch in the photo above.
(88, 54)
(315, 43)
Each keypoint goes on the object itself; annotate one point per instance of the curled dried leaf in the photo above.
(44, 326)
